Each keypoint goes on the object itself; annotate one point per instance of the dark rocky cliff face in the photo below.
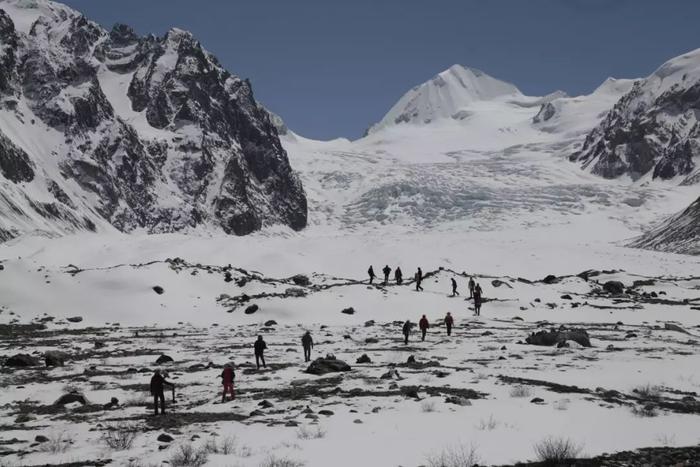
(679, 234)
(653, 130)
(156, 134)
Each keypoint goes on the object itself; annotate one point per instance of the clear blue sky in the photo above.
(333, 67)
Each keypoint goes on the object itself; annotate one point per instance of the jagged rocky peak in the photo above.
(445, 95)
(653, 130)
(145, 132)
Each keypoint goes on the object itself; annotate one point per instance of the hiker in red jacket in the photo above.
(227, 377)
(449, 321)
(423, 325)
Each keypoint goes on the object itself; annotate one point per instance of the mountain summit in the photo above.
(445, 95)
(101, 128)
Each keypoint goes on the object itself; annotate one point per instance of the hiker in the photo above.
(454, 287)
(477, 290)
(386, 271)
(398, 275)
(308, 343)
(423, 325)
(227, 377)
(406, 331)
(419, 279)
(259, 348)
(157, 383)
(471, 287)
(477, 304)
(449, 321)
(370, 272)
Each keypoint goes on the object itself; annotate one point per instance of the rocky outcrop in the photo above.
(653, 130)
(148, 133)
(679, 234)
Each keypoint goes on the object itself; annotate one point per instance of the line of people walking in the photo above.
(398, 276)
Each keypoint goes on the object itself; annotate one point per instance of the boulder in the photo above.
(251, 309)
(164, 359)
(675, 327)
(369, 323)
(165, 438)
(228, 277)
(614, 287)
(391, 374)
(41, 439)
(22, 360)
(550, 279)
(271, 322)
(70, 398)
(566, 297)
(158, 289)
(55, 358)
(265, 404)
(458, 400)
(348, 311)
(75, 319)
(112, 404)
(295, 292)
(497, 283)
(364, 358)
(555, 337)
(371, 340)
(301, 280)
(322, 366)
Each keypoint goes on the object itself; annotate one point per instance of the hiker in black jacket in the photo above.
(259, 348)
(386, 271)
(454, 287)
(308, 343)
(398, 276)
(370, 273)
(419, 279)
(157, 385)
(406, 331)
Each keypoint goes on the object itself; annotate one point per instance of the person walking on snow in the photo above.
(471, 287)
(386, 271)
(477, 290)
(406, 331)
(423, 325)
(157, 385)
(419, 279)
(454, 287)
(370, 273)
(259, 347)
(398, 275)
(449, 322)
(308, 343)
(227, 377)
(477, 304)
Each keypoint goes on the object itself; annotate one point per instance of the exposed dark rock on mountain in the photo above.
(679, 234)
(653, 130)
(146, 133)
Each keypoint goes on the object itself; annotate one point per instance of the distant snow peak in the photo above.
(445, 96)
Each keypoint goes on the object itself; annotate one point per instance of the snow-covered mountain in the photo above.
(654, 130)
(678, 234)
(444, 96)
(105, 128)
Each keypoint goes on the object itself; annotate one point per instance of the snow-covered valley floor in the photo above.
(635, 387)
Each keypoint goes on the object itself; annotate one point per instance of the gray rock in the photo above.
(165, 438)
(322, 366)
(55, 358)
(364, 358)
(614, 287)
(22, 360)
(70, 398)
(301, 280)
(164, 359)
(250, 309)
(75, 319)
(159, 290)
